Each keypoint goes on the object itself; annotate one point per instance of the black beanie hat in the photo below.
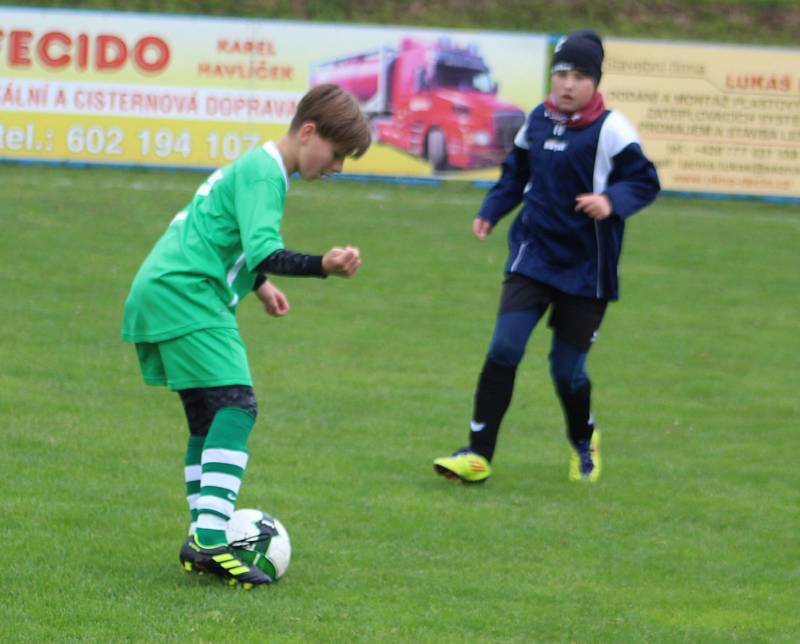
(581, 50)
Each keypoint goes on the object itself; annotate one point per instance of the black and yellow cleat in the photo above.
(221, 561)
(585, 463)
(464, 465)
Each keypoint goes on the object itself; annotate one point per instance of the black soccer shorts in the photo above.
(574, 319)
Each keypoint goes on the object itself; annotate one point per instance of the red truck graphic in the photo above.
(433, 100)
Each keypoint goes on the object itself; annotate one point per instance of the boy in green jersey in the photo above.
(181, 310)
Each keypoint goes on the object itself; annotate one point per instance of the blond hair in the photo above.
(337, 116)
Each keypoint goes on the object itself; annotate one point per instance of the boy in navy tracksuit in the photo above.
(580, 173)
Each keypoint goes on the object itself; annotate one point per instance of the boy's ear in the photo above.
(307, 130)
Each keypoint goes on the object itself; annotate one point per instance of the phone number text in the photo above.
(161, 143)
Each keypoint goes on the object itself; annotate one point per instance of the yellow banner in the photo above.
(121, 88)
(719, 119)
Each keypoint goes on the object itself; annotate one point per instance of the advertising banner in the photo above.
(121, 88)
(713, 118)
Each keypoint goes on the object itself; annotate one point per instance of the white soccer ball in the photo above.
(260, 540)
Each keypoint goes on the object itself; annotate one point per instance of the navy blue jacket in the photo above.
(549, 166)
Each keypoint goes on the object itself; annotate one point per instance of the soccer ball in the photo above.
(260, 540)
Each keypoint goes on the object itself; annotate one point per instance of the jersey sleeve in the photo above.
(259, 211)
(622, 171)
(287, 262)
(507, 193)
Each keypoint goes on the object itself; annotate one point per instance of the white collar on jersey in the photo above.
(271, 149)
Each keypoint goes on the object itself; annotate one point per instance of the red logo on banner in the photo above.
(103, 52)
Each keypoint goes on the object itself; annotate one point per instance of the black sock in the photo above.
(577, 412)
(492, 397)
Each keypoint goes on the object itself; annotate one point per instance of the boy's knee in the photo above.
(202, 404)
(567, 368)
(569, 384)
(236, 396)
(506, 352)
(561, 375)
(198, 416)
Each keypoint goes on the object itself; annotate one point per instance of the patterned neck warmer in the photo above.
(588, 115)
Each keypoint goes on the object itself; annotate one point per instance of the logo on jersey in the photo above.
(556, 145)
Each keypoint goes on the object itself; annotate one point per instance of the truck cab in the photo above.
(434, 100)
(444, 107)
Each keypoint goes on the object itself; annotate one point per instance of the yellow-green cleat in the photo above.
(222, 561)
(585, 464)
(465, 465)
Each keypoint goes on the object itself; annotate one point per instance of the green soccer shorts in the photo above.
(205, 358)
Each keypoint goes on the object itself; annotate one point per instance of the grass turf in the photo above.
(689, 536)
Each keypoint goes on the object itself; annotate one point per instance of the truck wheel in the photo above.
(437, 150)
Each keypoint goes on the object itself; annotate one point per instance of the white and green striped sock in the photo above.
(191, 474)
(224, 461)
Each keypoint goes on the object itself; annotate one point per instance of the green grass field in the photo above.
(691, 535)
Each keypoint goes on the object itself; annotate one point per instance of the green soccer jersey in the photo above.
(205, 261)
